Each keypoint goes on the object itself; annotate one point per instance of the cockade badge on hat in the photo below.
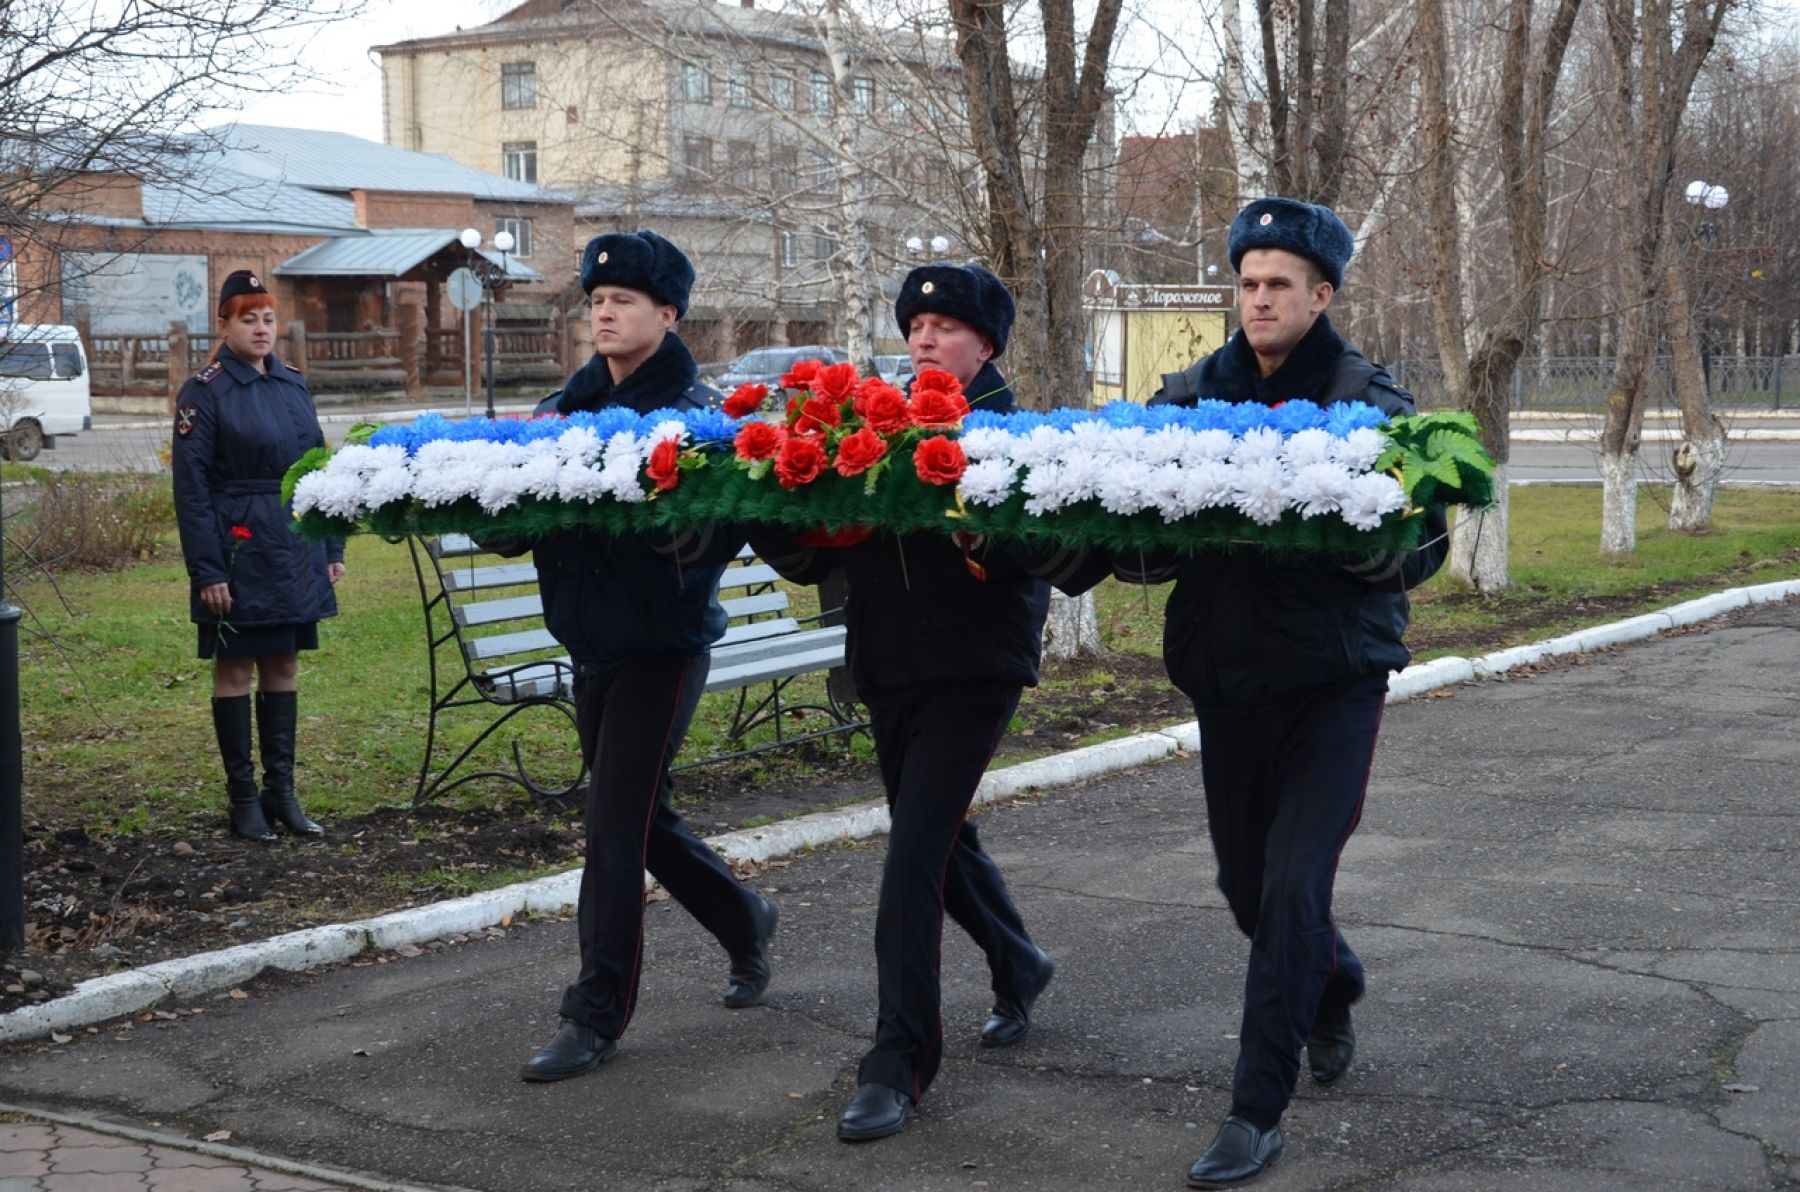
(928, 287)
(1265, 221)
(601, 259)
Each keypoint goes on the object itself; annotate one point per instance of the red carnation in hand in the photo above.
(835, 382)
(882, 407)
(759, 440)
(801, 459)
(241, 533)
(745, 399)
(939, 460)
(818, 414)
(801, 375)
(859, 452)
(939, 409)
(665, 464)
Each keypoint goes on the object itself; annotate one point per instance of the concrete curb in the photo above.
(129, 992)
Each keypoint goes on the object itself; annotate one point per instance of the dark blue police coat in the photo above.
(237, 431)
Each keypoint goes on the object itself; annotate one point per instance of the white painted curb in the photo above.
(139, 989)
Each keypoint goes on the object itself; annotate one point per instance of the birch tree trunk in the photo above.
(854, 251)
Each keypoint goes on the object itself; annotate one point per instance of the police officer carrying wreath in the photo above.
(257, 589)
(942, 638)
(1286, 661)
(638, 616)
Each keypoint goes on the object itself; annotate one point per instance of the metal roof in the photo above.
(388, 253)
(215, 196)
(321, 160)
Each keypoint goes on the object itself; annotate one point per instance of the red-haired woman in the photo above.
(258, 589)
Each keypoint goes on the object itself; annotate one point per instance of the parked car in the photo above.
(43, 388)
(895, 370)
(765, 366)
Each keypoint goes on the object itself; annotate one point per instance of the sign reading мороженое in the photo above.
(1148, 297)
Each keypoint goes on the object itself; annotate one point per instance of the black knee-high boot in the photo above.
(276, 712)
(231, 724)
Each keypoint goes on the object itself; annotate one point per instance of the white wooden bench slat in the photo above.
(515, 608)
(505, 575)
(782, 666)
(753, 576)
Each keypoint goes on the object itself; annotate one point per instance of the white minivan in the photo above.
(43, 387)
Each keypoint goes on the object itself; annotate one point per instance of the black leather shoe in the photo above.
(750, 973)
(1010, 1020)
(572, 1050)
(1238, 1154)
(1332, 1044)
(875, 1112)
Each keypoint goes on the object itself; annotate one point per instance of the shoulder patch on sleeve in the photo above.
(184, 419)
(209, 372)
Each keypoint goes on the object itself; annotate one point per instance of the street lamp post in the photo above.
(492, 277)
(1706, 196)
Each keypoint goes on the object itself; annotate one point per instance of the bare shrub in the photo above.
(64, 521)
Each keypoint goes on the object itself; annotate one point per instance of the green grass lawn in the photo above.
(118, 732)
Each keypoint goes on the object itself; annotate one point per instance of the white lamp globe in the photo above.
(503, 241)
(471, 239)
(1696, 191)
(914, 244)
(1716, 197)
(940, 244)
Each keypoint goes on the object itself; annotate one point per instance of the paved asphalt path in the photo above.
(1576, 893)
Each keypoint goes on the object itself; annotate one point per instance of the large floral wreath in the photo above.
(850, 451)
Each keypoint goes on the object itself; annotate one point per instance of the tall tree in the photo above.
(1656, 52)
(1503, 325)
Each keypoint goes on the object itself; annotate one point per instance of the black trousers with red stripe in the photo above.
(1284, 790)
(933, 743)
(632, 720)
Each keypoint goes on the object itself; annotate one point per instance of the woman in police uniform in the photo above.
(257, 589)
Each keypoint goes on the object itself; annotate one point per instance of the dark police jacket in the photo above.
(1245, 627)
(237, 430)
(916, 612)
(611, 598)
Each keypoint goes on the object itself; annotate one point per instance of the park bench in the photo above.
(488, 648)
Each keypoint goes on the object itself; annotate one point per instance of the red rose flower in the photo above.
(939, 460)
(882, 407)
(759, 440)
(241, 533)
(801, 375)
(665, 466)
(818, 414)
(745, 399)
(939, 409)
(935, 378)
(835, 382)
(793, 408)
(801, 459)
(859, 452)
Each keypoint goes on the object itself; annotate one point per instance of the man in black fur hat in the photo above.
(1287, 663)
(638, 615)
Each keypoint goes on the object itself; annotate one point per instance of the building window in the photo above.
(696, 156)
(518, 85)
(862, 96)
(821, 93)
(781, 92)
(784, 170)
(819, 173)
(519, 160)
(696, 84)
(520, 228)
(740, 159)
(790, 251)
(897, 105)
(737, 91)
(823, 247)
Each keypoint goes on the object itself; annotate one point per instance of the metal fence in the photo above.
(1578, 384)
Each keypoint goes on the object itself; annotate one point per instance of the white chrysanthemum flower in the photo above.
(988, 481)
(579, 444)
(1214, 443)
(1260, 444)
(1372, 496)
(1043, 489)
(1125, 442)
(501, 488)
(671, 429)
(1087, 437)
(620, 480)
(1080, 478)
(1210, 484)
(987, 442)
(444, 472)
(625, 449)
(340, 495)
(1359, 449)
(539, 475)
(1162, 491)
(307, 490)
(578, 482)
(1042, 445)
(1319, 488)
(1261, 489)
(1307, 447)
(1123, 489)
(1169, 445)
(389, 485)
